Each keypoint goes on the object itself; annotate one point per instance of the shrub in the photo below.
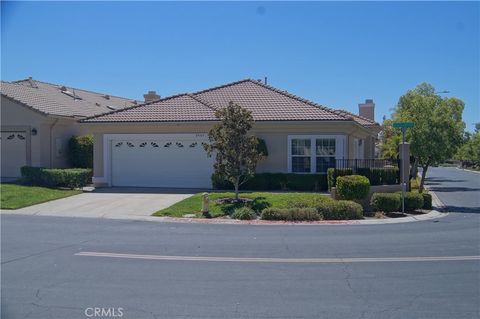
(333, 173)
(244, 213)
(340, 209)
(310, 202)
(353, 187)
(80, 151)
(427, 201)
(376, 176)
(277, 181)
(413, 201)
(385, 202)
(55, 177)
(291, 214)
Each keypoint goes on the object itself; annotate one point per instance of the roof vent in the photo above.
(106, 97)
(65, 91)
(97, 104)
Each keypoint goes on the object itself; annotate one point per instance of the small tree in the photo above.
(236, 152)
(438, 126)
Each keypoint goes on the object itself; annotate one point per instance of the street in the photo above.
(58, 267)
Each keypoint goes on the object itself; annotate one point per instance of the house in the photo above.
(159, 144)
(38, 119)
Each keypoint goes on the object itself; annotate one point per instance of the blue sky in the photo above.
(336, 54)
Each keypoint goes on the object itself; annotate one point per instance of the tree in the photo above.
(438, 129)
(236, 152)
(469, 152)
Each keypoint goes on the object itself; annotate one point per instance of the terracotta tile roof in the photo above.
(178, 108)
(359, 119)
(55, 99)
(265, 102)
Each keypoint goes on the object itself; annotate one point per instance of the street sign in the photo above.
(403, 124)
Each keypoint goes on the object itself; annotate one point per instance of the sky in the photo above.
(336, 54)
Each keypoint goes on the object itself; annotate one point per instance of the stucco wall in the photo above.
(42, 148)
(274, 134)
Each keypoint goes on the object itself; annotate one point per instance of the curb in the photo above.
(433, 214)
(468, 170)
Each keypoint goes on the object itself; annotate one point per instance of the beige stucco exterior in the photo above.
(48, 148)
(275, 135)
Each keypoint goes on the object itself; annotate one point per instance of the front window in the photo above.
(325, 152)
(313, 154)
(301, 155)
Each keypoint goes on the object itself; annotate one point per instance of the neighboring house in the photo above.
(38, 119)
(159, 144)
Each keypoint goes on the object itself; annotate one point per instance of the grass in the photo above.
(15, 196)
(261, 200)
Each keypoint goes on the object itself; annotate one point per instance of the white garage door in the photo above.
(161, 161)
(14, 153)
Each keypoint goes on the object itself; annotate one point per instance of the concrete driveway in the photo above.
(117, 203)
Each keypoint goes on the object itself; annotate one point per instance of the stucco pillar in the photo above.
(404, 152)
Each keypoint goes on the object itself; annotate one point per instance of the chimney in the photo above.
(151, 96)
(367, 109)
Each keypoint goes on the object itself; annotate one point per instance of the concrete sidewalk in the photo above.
(121, 203)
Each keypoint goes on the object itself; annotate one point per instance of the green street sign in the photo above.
(403, 124)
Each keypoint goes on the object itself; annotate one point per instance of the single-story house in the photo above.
(159, 144)
(38, 119)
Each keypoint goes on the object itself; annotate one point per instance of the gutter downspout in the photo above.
(51, 142)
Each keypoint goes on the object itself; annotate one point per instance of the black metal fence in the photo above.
(367, 163)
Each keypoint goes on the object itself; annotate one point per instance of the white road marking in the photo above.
(280, 260)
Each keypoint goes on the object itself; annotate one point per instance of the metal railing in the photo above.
(354, 164)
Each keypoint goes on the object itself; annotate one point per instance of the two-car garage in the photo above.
(157, 160)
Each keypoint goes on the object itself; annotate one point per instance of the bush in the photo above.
(291, 214)
(353, 187)
(277, 181)
(413, 201)
(385, 202)
(311, 202)
(333, 173)
(80, 151)
(340, 209)
(376, 176)
(427, 201)
(244, 213)
(55, 177)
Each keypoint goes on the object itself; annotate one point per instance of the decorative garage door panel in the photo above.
(181, 163)
(14, 153)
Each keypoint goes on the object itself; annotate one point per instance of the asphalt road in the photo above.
(44, 277)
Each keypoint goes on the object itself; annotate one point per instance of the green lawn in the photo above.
(192, 205)
(15, 196)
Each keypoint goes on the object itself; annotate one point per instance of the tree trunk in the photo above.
(237, 182)
(422, 182)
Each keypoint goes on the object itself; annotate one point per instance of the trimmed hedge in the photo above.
(376, 176)
(413, 201)
(277, 181)
(80, 151)
(55, 177)
(340, 209)
(244, 213)
(291, 214)
(385, 202)
(333, 173)
(427, 201)
(353, 187)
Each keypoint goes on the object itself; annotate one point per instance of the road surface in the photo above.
(54, 267)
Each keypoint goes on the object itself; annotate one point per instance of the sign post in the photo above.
(403, 126)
